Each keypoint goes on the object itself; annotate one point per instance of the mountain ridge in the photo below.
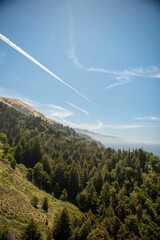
(104, 140)
(24, 108)
(28, 110)
(86, 131)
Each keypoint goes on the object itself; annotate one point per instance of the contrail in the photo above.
(78, 108)
(13, 45)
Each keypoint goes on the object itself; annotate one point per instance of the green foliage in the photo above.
(87, 199)
(105, 194)
(38, 174)
(15, 203)
(13, 163)
(6, 150)
(158, 205)
(3, 138)
(31, 232)
(4, 233)
(30, 174)
(131, 222)
(34, 201)
(45, 204)
(86, 227)
(9, 156)
(62, 228)
(64, 195)
(73, 182)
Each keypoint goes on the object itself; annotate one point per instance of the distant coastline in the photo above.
(154, 148)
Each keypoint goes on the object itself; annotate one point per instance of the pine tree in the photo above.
(13, 164)
(64, 195)
(31, 232)
(34, 201)
(45, 204)
(62, 229)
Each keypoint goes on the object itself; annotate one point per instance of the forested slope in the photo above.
(20, 201)
(119, 191)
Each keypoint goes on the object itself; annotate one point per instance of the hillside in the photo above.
(16, 208)
(118, 191)
(24, 108)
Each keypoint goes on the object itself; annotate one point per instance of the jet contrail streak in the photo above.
(13, 45)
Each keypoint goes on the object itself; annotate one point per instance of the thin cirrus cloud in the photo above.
(51, 110)
(13, 45)
(78, 108)
(54, 111)
(99, 126)
(151, 118)
(71, 52)
(116, 84)
(125, 76)
(91, 127)
(122, 76)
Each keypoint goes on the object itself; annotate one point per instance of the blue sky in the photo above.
(88, 64)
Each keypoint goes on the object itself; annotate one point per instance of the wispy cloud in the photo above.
(71, 52)
(127, 75)
(51, 110)
(122, 77)
(13, 45)
(116, 84)
(99, 126)
(152, 118)
(78, 108)
(91, 127)
(54, 111)
(144, 72)
(157, 75)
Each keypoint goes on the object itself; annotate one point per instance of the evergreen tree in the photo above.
(13, 163)
(45, 204)
(34, 201)
(62, 228)
(30, 174)
(38, 174)
(64, 195)
(31, 232)
(3, 138)
(73, 183)
(105, 194)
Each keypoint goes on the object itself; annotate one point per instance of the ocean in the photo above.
(153, 148)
